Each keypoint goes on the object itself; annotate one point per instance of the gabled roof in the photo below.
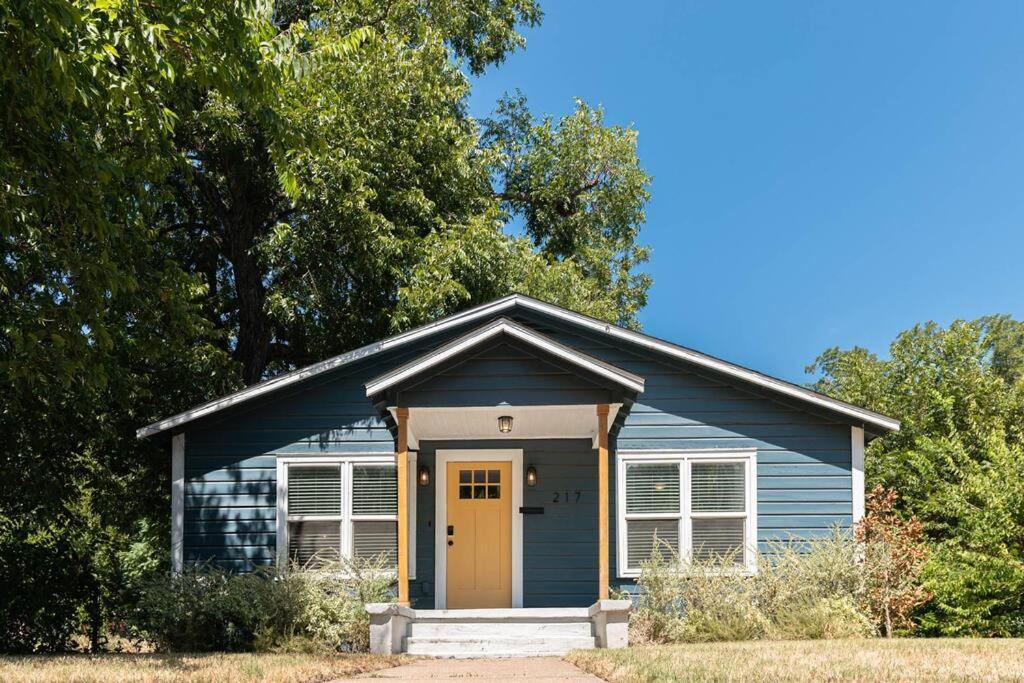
(772, 384)
(504, 326)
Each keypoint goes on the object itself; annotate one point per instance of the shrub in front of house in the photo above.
(207, 608)
(801, 590)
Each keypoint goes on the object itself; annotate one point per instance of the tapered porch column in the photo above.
(402, 463)
(602, 500)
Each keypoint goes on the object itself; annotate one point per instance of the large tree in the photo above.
(956, 461)
(95, 322)
(366, 199)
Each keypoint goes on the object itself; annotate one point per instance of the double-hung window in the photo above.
(333, 508)
(700, 505)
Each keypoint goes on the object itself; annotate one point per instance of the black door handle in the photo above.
(451, 542)
(451, 530)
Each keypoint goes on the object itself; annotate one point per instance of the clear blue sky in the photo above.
(825, 173)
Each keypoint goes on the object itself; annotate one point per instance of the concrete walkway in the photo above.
(510, 669)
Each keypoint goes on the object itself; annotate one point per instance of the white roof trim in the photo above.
(497, 306)
(516, 331)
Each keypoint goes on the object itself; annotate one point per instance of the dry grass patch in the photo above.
(196, 668)
(915, 659)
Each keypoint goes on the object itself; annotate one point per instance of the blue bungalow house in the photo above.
(516, 462)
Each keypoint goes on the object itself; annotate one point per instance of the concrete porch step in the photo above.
(519, 614)
(500, 629)
(495, 647)
(517, 632)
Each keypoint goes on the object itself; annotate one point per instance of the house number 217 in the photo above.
(563, 497)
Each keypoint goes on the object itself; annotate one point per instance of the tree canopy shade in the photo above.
(956, 461)
(195, 196)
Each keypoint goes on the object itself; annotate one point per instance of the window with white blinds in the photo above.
(375, 512)
(314, 491)
(653, 510)
(697, 505)
(341, 509)
(718, 511)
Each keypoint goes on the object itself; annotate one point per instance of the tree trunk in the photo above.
(239, 188)
(252, 349)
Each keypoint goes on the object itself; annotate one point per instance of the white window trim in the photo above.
(345, 462)
(445, 456)
(748, 456)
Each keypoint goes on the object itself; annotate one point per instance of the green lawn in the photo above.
(211, 668)
(911, 659)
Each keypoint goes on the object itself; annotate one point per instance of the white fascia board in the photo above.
(497, 306)
(713, 363)
(524, 334)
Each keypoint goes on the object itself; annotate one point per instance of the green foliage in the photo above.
(977, 575)
(801, 590)
(206, 609)
(579, 190)
(366, 200)
(956, 461)
(98, 330)
(40, 608)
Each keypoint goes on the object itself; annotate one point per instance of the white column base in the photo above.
(611, 622)
(388, 625)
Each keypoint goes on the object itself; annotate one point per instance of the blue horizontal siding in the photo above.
(502, 373)
(803, 456)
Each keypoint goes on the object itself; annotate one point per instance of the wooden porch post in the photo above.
(602, 500)
(402, 463)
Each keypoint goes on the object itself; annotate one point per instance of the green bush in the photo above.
(810, 589)
(43, 586)
(206, 608)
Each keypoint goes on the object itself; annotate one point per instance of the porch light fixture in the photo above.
(531, 476)
(505, 424)
(423, 475)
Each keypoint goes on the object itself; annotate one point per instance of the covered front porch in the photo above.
(504, 491)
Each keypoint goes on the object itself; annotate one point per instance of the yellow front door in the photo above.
(479, 534)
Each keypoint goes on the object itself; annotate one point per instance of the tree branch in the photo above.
(563, 205)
